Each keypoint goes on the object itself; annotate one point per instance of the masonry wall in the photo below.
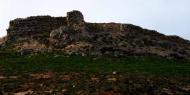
(35, 27)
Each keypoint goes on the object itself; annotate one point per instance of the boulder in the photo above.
(59, 33)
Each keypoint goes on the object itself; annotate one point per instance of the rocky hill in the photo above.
(72, 35)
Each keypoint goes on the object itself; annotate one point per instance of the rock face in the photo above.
(1, 41)
(72, 35)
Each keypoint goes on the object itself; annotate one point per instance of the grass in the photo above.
(12, 64)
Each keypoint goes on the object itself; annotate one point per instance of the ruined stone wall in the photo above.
(111, 27)
(36, 27)
(33, 27)
(72, 35)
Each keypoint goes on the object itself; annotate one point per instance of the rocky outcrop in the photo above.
(1, 41)
(72, 35)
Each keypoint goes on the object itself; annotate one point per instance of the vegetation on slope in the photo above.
(60, 74)
(63, 63)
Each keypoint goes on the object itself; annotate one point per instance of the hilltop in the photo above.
(72, 35)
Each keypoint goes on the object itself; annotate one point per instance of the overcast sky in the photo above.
(170, 17)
